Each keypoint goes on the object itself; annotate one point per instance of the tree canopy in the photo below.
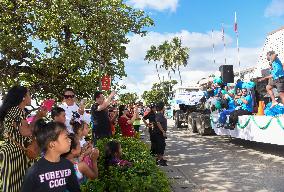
(172, 54)
(128, 98)
(159, 92)
(50, 45)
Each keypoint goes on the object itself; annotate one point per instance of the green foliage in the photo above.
(159, 92)
(172, 54)
(128, 98)
(51, 45)
(144, 175)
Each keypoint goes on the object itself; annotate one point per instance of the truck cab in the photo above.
(184, 100)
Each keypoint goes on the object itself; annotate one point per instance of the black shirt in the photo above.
(162, 120)
(102, 125)
(151, 116)
(45, 176)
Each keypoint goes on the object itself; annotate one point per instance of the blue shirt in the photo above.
(247, 106)
(217, 91)
(231, 103)
(277, 70)
(239, 85)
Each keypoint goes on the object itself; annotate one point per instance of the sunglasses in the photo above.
(69, 96)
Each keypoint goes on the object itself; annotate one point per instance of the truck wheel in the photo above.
(205, 128)
(201, 129)
(193, 122)
(189, 123)
(198, 123)
(177, 119)
(207, 125)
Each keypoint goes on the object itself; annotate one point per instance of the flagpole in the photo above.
(213, 47)
(238, 49)
(223, 38)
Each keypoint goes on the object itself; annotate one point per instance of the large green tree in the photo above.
(50, 45)
(128, 98)
(172, 54)
(159, 92)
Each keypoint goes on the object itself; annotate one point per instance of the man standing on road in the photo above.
(276, 78)
(99, 111)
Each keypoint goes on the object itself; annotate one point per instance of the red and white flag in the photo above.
(236, 24)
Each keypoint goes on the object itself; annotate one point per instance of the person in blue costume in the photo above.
(231, 108)
(239, 84)
(276, 78)
(245, 101)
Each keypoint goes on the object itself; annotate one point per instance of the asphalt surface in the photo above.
(217, 163)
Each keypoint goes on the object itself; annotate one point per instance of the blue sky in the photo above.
(192, 21)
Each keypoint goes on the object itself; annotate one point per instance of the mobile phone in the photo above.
(47, 104)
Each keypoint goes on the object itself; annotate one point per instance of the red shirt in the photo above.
(126, 129)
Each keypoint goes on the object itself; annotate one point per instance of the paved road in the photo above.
(215, 163)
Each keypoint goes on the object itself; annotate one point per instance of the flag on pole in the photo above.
(236, 24)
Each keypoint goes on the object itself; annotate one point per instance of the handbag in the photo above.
(31, 151)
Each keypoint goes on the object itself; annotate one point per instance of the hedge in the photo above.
(144, 175)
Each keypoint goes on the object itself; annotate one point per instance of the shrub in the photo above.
(144, 175)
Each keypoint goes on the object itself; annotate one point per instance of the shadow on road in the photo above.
(214, 163)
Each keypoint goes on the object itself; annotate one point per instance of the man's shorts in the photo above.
(278, 83)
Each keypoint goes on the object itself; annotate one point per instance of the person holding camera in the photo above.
(70, 107)
(125, 121)
(100, 114)
(276, 78)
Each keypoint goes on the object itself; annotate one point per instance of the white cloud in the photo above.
(142, 75)
(159, 5)
(275, 9)
(139, 45)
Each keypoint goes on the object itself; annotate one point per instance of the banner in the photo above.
(106, 82)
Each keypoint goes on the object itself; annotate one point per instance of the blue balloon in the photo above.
(274, 111)
(248, 85)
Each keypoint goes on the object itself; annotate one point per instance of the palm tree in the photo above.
(172, 54)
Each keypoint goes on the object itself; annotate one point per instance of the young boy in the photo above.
(51, 173)
(58, 115)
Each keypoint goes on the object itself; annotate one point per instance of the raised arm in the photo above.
(26, 129)
(135, 116)
(107, 101)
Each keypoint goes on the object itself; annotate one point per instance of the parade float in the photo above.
(259, 127)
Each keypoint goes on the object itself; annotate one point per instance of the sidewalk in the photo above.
(178, 179)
